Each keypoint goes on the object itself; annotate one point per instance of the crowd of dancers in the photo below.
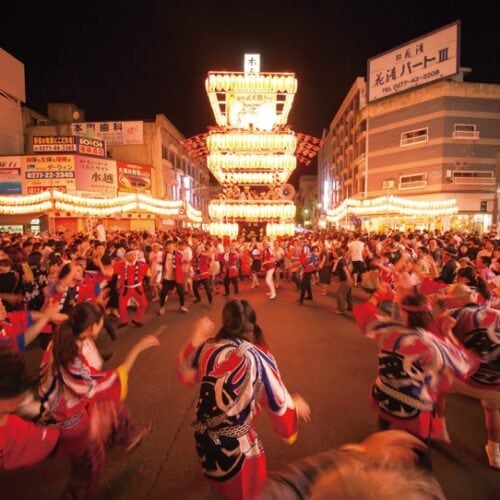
(430, 300)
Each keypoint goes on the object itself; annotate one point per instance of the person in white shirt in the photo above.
(356, 251)
(187, 269)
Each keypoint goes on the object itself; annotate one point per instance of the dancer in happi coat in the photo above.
(173, 276)
(73, 380)
(201, 273)
(231, 263)
(478, 329)
(131, 273)
(238, 377)
(414, 367)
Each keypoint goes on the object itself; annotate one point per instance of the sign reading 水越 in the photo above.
(423, 60)
(252, 63)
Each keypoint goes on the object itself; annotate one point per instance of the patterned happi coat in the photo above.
(413, 368)
(478, 328)
(237, 379)
(66, 395)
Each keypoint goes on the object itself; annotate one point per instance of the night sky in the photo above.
(132, 60)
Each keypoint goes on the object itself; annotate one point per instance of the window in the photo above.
(414, 137)
(412, 181)
(465, 131)
(473, 177)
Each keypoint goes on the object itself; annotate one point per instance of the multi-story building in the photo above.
(149, 157)
(12, 95)
(435, 143)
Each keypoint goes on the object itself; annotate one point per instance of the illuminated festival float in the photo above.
(252, 151)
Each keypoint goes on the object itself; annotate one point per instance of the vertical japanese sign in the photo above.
(114, 133)
(10, 175)
(133, 177)
(251, 63)
(43, 172)
(95, 177)
(431, 57)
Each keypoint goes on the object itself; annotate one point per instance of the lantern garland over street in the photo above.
(253, 147)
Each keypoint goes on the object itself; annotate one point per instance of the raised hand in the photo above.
(303, 409)
(203, 330)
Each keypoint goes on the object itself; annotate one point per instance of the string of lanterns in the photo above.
(287, 162)
(252, 178)
(285, 142)
(226, 90)
(246, 82)
(97, 207)
(223, 229)
(281, 229)
(254, 209)
(393, 204)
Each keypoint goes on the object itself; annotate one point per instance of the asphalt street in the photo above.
(321, 355)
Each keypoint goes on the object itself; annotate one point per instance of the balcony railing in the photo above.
(469, 135)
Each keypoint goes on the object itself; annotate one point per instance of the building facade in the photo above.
(147, 158)
(12, 95)
(431, 144)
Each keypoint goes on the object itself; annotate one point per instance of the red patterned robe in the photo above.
(237, 380)
(478, 328)
(413, 366)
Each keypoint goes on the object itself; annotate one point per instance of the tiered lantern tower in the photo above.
(252, 152)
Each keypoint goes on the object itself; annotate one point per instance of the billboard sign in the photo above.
(69, 144)
(133, 177)
(114, 133)
(95, 177)
(10, 175)
(43, 172)
(431, 57)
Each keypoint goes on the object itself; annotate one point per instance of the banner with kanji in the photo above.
(96, 177)
(43, 172)
(134, 177)
(10, 175)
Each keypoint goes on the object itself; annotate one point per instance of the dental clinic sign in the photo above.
(431, 57)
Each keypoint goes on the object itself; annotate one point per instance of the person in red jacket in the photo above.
(22, 443)
(231, 265)
(173, 276)
(20, 328)
(72, 287)
(131, 273)
(308, 269)
(201, 270)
